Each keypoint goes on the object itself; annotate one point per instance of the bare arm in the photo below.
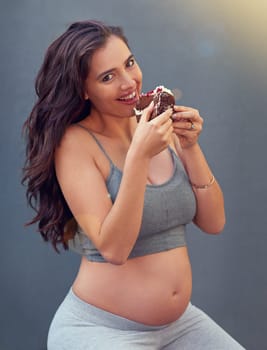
(112, 228)
(210, 216)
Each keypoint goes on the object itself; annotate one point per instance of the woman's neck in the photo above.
(112, 127)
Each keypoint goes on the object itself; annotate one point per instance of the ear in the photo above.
(86, 97)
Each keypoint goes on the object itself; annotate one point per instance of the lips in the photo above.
(130, 98)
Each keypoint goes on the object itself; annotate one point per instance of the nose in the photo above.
(127, 82)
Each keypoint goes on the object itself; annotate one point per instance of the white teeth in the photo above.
(132, 95)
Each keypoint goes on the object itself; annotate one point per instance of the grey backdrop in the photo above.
(214, 53)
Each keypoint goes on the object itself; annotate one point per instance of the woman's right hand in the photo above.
(152, 136)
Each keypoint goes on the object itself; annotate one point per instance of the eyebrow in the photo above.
(112, 69)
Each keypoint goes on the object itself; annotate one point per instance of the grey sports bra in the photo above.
(168, 207)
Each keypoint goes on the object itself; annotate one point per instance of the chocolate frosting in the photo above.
(162, 101)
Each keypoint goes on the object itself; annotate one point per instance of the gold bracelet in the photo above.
(201, 187)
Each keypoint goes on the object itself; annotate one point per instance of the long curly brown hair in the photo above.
(60, 102)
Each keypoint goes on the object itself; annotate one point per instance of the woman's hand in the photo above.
(153, 136)
(187, 125)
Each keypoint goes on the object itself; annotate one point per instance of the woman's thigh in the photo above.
(197, 331)
(80, 326)
(100, 339)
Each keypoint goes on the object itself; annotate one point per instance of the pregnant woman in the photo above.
(120, 193)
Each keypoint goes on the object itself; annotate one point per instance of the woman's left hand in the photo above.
(187, 125)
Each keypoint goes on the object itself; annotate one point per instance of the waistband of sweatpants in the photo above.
(92, 314)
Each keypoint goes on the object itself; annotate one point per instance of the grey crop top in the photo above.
(168, 207)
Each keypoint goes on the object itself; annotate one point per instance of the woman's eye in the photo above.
(131, 62)
(107, 77)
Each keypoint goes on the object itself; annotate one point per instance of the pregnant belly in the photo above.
(154, 289)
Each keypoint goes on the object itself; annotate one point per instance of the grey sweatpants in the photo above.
(81, 326)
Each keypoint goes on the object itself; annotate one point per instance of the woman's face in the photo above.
(114, 81)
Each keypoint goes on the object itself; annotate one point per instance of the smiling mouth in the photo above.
(131, 98)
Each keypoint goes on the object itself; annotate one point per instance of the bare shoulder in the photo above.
(75, 138)
(79, 150)
(78, 145)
